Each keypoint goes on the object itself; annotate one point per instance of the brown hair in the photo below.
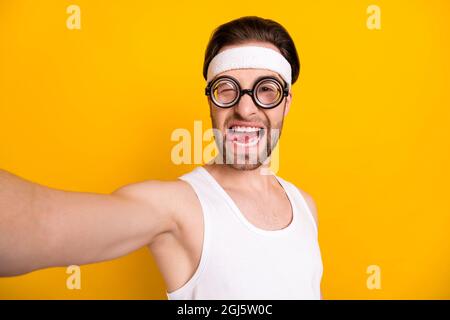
(256, 29)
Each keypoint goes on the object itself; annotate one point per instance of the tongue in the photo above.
(242, 137)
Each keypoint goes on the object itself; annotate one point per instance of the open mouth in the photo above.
(244, 136)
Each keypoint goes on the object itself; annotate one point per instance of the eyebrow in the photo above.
(270, 75)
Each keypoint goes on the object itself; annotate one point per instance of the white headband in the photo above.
(253, 57)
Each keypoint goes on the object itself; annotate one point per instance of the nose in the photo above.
(246, 106)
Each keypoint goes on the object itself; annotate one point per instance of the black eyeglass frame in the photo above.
(208, 92)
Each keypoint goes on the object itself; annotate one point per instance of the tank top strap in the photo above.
(300, 201)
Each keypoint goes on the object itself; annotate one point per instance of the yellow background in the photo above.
(368, 134)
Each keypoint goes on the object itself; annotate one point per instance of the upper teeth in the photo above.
(245, 129)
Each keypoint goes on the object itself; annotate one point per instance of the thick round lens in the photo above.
(269, 92)
(224, 92)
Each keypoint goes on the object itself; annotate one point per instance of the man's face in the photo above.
(248, 133)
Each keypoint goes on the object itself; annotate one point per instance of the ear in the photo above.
(288, 103)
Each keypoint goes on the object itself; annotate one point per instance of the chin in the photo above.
(245, 161)
(245, 166)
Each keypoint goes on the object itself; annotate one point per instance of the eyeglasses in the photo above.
(267, 92)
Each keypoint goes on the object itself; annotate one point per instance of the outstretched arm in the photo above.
(42, 227)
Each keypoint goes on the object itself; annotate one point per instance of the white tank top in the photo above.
(242, 261)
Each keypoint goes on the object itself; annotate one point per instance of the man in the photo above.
(222, 231)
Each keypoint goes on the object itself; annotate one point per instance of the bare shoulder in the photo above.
(169, 198)
(311, 204)
(153, 189)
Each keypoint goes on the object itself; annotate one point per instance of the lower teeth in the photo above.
(251, 142)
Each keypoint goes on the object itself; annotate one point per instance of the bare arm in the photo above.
(42, 227)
